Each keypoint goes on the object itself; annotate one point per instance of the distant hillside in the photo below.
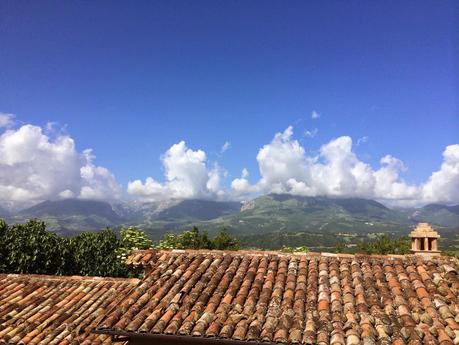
(273, 213)
(72, 215)
(441, 215)
(269, 214)
(198, 210)
(71, 207)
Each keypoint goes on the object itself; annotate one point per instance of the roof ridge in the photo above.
(67, 278)
(280, 253)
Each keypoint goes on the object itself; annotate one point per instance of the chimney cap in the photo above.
(424, 230)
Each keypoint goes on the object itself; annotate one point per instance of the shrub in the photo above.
(385, 245)
(301, 249)
(29, 248)
(193, 239)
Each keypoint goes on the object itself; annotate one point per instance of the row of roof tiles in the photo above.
(37, 309)
(245, 296)
(309, 299)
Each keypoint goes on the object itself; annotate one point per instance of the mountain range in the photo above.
(263, 215)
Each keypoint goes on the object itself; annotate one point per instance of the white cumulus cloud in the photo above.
(35, 167)
(362, 140)
(37, 164)
(311, 133)
(241, 186)
(315, 115)
(443, 185)
(285, 167)
(98, 182)
(6, 120)
(225, 147)
(187, 176)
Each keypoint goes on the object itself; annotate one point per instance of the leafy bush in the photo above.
(95, 254)
(279, 239)
(385, 245)
(450, 253)
(193, 239)
(29, 248)
(132, 238)
(301, 249)
(340, 247)
(3, 253)
(224, 241)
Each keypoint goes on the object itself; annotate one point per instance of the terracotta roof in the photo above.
(243, 296)
(289, 298)
(36, 309)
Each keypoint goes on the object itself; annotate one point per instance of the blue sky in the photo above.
(129, 80)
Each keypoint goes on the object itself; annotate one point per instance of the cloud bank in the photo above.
(39, 164)
(187, 174)
(35, 167)
(6, 120)
(285, 167)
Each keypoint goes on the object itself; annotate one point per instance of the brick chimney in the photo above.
(424, 240)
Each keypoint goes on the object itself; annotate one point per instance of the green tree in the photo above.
(340, 247)
(169, 241)
(3, 253)
(3, 227)
(96, 254)
(224, 241)
(29, 248)
(132, 238)
(385, 245)
(191, 239)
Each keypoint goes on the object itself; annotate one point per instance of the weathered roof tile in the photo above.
(244, 296)
(56, 310)
(293, 298)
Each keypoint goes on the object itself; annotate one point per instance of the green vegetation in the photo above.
(385, 245)
(279, 239)
(301, 249)
(131, 239)
(30, 248)
(321, 220)
(193, 239)
(224, 241)
(95, 254)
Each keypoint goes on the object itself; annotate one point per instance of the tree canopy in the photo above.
(385, 245)
(30, 248)
(194, 239)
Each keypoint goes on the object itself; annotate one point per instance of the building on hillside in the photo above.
(240, 298)
(424, 240)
